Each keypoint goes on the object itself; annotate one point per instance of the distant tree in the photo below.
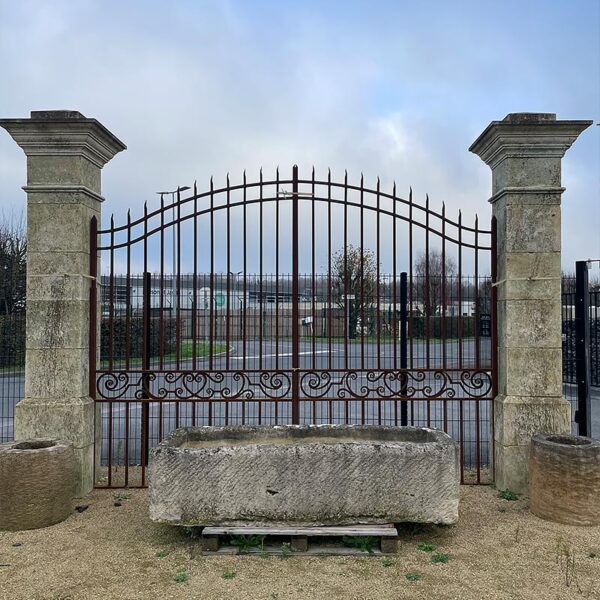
(434, 276)
(13, 251)
(354, 285)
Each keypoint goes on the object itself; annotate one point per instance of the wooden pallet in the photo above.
(299, 537)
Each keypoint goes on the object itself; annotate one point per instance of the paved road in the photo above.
(166, 416)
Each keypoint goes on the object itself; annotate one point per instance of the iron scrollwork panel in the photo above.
(194, 385)
(413, 384)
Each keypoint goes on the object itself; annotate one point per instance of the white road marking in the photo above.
(282, 355)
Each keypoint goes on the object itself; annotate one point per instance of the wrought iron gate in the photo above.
(291, 300)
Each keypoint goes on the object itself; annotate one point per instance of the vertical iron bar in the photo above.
(295, 306)
(244, 284)
(260, 282)
(329, 283)
(145, 434)
(195, 295)
(377, 288)
(128, 295)
(378, 291)
(276, 404)
(443, 313)
(228, 281)
(362, 283)
(111, 298)
(161, 359)
(93, 304)
(394, 323)
(276, 275)
(427, 303)
(404, 346)
(411, 292)
(313, 273)
(178, 319)
(211, 341)
(477, 349)
(94, 323)
(426, 295)
(459, 324)
(494, 340)
(582, 348)
(347, 306)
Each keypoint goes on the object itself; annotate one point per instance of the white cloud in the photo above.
(199, 89)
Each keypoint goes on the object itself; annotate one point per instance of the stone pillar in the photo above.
(65, 153)
(524, 151)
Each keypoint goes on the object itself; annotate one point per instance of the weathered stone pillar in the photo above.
(524, 151)
(65, 153)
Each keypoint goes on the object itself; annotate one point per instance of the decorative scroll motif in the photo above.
(397, 384)
(193, 385)
(414, 384)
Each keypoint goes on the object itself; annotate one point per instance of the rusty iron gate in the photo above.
(291, 300)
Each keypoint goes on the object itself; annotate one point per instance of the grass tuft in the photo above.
(439, 557)
(507, 495)
(426, 546)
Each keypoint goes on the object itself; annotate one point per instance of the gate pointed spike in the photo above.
(211, 183)
(394, 189)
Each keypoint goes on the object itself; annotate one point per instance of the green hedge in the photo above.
(136, 337)
(12, 340)
(435, 327)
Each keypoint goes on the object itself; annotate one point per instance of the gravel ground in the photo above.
(497, 551)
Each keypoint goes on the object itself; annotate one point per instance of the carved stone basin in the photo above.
(305, 475)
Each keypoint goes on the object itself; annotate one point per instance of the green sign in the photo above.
(219, 300)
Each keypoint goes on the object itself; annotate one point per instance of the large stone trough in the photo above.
(304, 475)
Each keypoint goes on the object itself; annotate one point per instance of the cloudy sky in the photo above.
(389, 88)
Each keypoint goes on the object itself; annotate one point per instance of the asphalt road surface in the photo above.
(374, 407)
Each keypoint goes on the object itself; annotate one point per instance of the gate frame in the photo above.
(458, 383)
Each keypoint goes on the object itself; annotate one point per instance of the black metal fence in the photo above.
(12, 364)
(581, 350)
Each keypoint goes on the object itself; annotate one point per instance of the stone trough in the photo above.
(304, 475)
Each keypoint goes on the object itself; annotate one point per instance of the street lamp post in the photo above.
(173, 285)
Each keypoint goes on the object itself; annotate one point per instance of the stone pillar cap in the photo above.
(527, 135)
(64, 132)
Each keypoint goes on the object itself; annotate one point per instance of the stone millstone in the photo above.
(37, 483)
(304, 475)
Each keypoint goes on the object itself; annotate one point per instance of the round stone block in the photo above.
(564, 479)
(37, 483)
